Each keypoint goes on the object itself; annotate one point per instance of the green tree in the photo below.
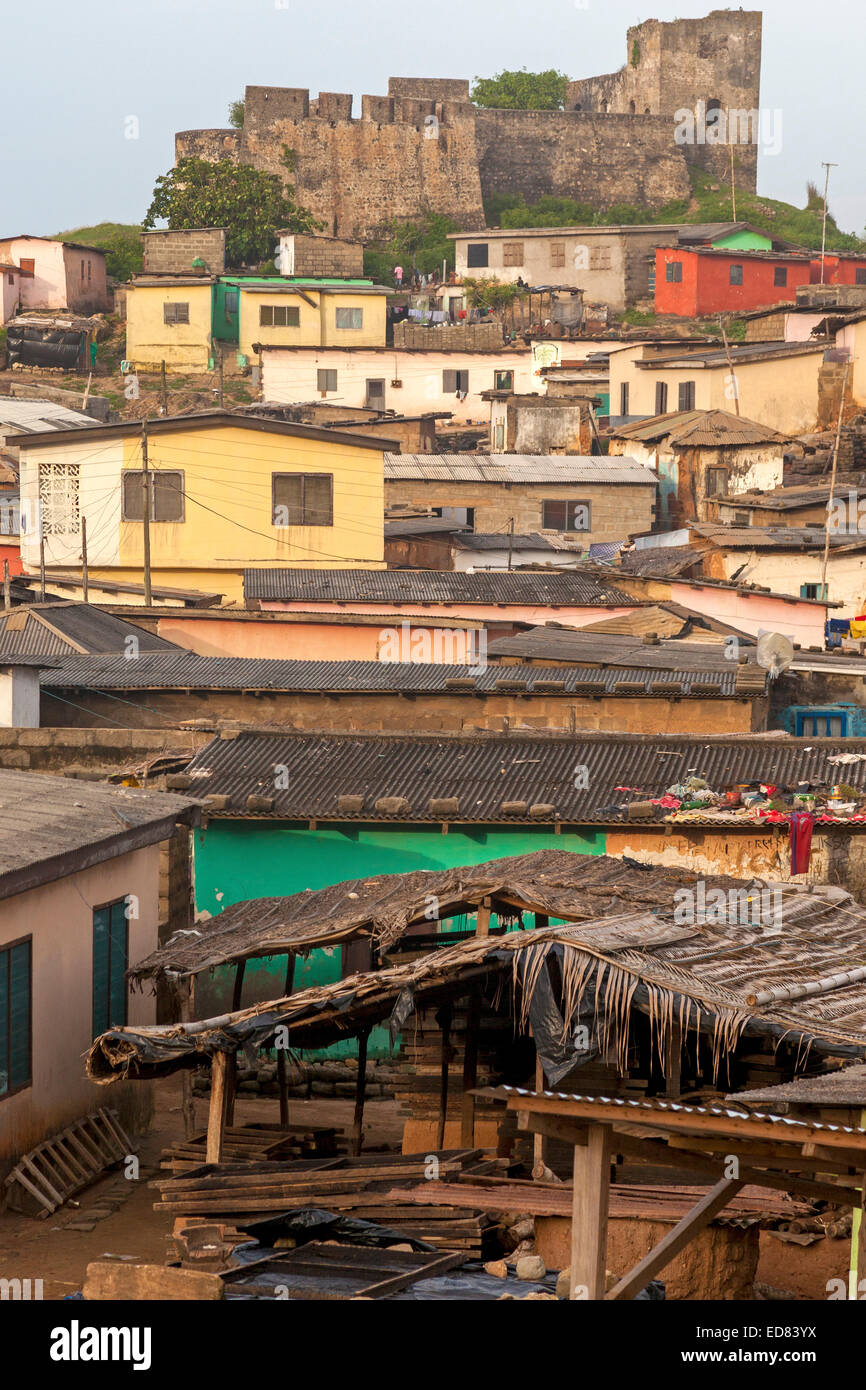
(250, 204)
(491, 294)
(421, 246)
(236, 114)
(521, 90)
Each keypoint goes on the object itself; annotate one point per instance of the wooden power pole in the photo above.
(148, 598)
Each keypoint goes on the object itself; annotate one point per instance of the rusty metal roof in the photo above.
(492, 779)
(570, 588)
(518, 468)
(691, 429)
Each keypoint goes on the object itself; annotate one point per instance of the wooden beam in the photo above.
(216, 1119)
(360, 1091)
(470, 1073)
(232, 1068)
(589, 1211)
(282, 1060)
(676, 1240)
(482, 919)
(673, 1061)
(444, 1059)
(186, 991)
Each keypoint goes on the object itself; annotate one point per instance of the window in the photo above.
(512, 253)
(279, 316)
(561, 514)
(350, 318)
(599, 258)
(557, 254)
(175, 313)
(742, 518)
(477, 253)
(813, 591)
(674, 272)
(58, 499)
(303, 499)
(780, 275)
(326, 378)
(110, 960)
(661, 397)
(28, 266)
(859, 275)
(717, 482)
(230, 303)
(736, 275)
(503, 381)
(463, 516)
(499, 436)
(16, 995)
(82, 272)
(686, 395)
(375, 395)
(88, 272)
(10, 279)
(166, 495)
(623, 398)
(455, 383)
(823, 723)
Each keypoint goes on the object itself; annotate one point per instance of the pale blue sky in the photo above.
(74, 73)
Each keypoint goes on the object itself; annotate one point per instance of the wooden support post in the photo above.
(186, 990)
(676, 1240)
(445, 1058)
(216, 1119)
(589, 1213)
(282, 1060)
(470, 1073)
(673, 1061)
(539, 1140)
(482, 924)
(360, 1090)
(232, 1069)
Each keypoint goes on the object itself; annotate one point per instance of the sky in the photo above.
(79, 80)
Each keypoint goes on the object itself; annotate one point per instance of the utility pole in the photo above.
(833, 483)
(146, 480)
(221, 375)
(733, 187)
(84, 587)
(510, 539)
(164, 391)
(733, 374)
(42, 568)
(828, 167)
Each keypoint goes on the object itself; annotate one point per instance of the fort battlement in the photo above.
(424, 147)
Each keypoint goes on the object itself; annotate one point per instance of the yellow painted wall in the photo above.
(782, 394)
(317, 325)
(150, 340)
(228, 519)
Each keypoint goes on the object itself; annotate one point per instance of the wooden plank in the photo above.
(444, 1060)
(113, 1279)
(217, 1111)
(589, 1213)
(357, 1136)
(470, 1071)
(676, 1240)
(411, 1276)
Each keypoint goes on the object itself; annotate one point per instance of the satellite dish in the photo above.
(775, 652)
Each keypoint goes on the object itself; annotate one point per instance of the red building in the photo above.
(704, 280)
(840, 268)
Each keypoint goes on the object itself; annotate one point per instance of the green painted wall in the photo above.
(236, 860)
(745, 241)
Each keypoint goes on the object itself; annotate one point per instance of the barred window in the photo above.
(350, 318)
(512, 253)
(59, 499)
(175, 313)
(166, 495)
(557, 254)
(303, 499)
(279, 316)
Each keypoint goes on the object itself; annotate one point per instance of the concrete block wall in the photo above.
(320, 256)
(174, 252)
(468, 337)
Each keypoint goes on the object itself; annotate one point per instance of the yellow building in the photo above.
(186, 320)
(228, 492)
(308, 313)
(168, 319)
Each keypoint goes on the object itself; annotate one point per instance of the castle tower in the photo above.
(700, 65)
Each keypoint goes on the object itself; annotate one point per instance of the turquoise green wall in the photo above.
(745, 241)
(236, 860)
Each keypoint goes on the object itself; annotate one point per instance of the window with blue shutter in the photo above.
(110, 960)
(15, 1017)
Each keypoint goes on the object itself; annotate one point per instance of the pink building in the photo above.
(56, 274)
(9, 294)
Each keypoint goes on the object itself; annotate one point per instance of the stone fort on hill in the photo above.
(425, 148)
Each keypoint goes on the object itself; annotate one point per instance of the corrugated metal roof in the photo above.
(660, 560)
(43, 819)
(614, 649)
(187, 670)
(773, 537)
(700, 428)
(433, 586)
(517, 468)
(482, 774)
(34, 417)
(57, 629)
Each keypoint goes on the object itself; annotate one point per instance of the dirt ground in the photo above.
(49, 1250)
(53, 1251)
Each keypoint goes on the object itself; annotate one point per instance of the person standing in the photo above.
(398, 276)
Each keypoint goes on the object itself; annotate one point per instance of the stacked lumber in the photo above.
(258, 1143)
(239, 1194)
(419, 1088)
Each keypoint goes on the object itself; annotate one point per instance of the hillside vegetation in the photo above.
(121, 241)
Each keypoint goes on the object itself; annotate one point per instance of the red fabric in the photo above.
(802, 823)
